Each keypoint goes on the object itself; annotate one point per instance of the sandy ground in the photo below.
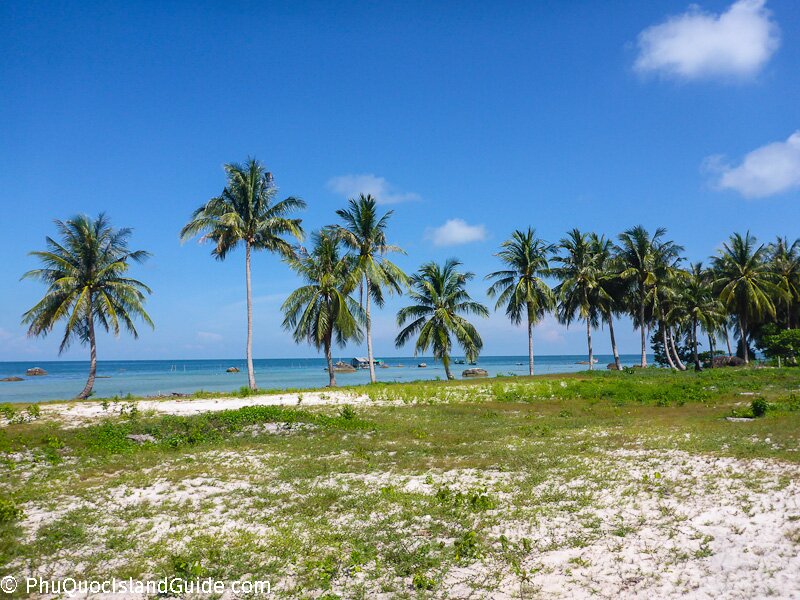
(74, 414)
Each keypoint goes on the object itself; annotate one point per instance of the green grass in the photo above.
(386, 496)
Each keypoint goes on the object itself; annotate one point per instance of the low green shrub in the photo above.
(759, 406)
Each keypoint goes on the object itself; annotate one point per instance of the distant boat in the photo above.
(422, 365)
(459, 361)
(586, 362)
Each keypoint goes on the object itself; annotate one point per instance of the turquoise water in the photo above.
(65, 379)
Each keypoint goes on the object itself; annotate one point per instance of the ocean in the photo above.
(65, 379)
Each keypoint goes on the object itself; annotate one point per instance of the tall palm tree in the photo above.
(86, 272)
(364, 233)
(246, 213)
(322, 311)
(645, 260)
(520, 286)
(579, 288)
(698, 302)
(610, 287)
(745, 284)
(785, 264)
(440, 299)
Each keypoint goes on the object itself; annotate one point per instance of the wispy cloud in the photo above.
(207, 336)
(455, 232)
(766, 171)
(696, 44)
(350, 186)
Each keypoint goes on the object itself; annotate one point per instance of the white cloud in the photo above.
(766, 171)
(696, 44)
(455, 232)
(350, 186)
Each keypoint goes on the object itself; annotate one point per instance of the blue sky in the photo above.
(468, 119)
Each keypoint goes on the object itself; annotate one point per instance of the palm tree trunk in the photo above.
(87, 390)
(329, 358)
(589, 342)
(446, 363)
(666, 347)
(644, 335)
(711, 351)
(251, 375)
(728, 342)
(617, 363)
(372, 377)
(697, 366)
(743, 339)
(530, 345)
(678, 360)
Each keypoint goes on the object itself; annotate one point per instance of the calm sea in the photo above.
(65, 379)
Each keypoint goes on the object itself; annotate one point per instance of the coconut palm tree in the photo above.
(520, 286)
(611, 287)
(785, 264)
(440, 299)
(579, 289)
(745, 284)
(245, 213)
(699, 304)
(322, 311)
(645, 260)
(86, 272)
(364, 233)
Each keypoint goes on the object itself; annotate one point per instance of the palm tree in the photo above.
(745, 284)
(610, 287)
(440, 296)
(322, 311)
(520, 286)
(698, 303)
(785, 264)
(645, 260)
(245, 213)
(580, 284)
(87, 277)
(364, 233)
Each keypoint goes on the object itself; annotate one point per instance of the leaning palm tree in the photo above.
(645, 260)
(245, 213)
(440, 299)
(364, 233)
(579, 288)
(88, 285)
(322, 311)
(745, 284)
(520, 286)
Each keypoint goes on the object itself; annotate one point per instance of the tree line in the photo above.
(750, 288)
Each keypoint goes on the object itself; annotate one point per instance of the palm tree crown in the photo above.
(441, 298)
(87, 277)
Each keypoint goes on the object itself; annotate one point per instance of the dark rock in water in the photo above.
(475, 373)
(141, 438)
(231, 370)
(12, 379)
(728, 361)
(343, 367)
(612, 367)
(35, 372)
